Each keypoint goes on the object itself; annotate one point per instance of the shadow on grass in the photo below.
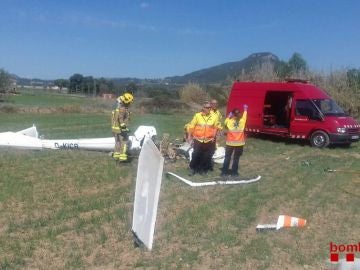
(277, 139)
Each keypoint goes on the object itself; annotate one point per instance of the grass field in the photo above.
(73, 209)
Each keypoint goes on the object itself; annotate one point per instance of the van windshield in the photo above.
(329, 107)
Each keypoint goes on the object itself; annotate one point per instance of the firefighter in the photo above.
(235, 141)
(119, 122)
(202, 130)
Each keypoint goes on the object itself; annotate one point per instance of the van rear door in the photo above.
(276, 112)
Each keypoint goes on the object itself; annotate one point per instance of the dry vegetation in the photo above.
(193, 93)
(338, 86)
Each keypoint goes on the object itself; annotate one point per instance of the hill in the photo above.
(215, 74)
(220, 73)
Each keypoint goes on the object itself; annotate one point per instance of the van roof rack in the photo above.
(291, 80)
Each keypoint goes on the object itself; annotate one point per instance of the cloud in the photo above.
(144, 5)
(94, 22)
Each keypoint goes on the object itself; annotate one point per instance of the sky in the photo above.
(156, 39)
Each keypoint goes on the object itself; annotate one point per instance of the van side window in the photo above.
(306, 108)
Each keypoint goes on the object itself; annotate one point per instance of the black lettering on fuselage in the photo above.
(66, 146)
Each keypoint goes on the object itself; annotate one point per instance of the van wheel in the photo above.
(319, 139)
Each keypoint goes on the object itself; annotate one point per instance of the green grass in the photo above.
(44, 99)
(73, 209)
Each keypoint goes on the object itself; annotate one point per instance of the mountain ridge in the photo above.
(214, 74)
(221, 72)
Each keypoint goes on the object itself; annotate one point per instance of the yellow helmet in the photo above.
(126, 98)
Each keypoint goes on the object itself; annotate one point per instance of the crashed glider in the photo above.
(29, 139)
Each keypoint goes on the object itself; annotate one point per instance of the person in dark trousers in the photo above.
(202, 131)
(215, 111)
(234, 126)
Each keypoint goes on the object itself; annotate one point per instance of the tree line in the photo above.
(343, 85)
(88, 85)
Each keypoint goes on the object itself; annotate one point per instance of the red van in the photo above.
(294, 109)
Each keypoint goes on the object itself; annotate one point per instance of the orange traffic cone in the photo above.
(282, 222)
(288, 221)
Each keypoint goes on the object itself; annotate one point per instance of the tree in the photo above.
(282, 69)
(76, 83)
(104, 86)
(5, 84)
(131, 87)
(88, 85)
(297, 64)
(61, 83)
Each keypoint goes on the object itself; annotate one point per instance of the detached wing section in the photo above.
(147, 190)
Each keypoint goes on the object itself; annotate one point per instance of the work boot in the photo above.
(116, 155)
(192, 172)
(123, 157)
(224, 172)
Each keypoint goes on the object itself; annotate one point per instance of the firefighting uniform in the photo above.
(120, 119)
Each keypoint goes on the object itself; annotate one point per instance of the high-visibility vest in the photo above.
(235, 134)
(203, 127)
(218, 114)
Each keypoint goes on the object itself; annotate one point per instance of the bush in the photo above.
(68, 109)
(192, 92)
(161, 105)
(8, 109)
